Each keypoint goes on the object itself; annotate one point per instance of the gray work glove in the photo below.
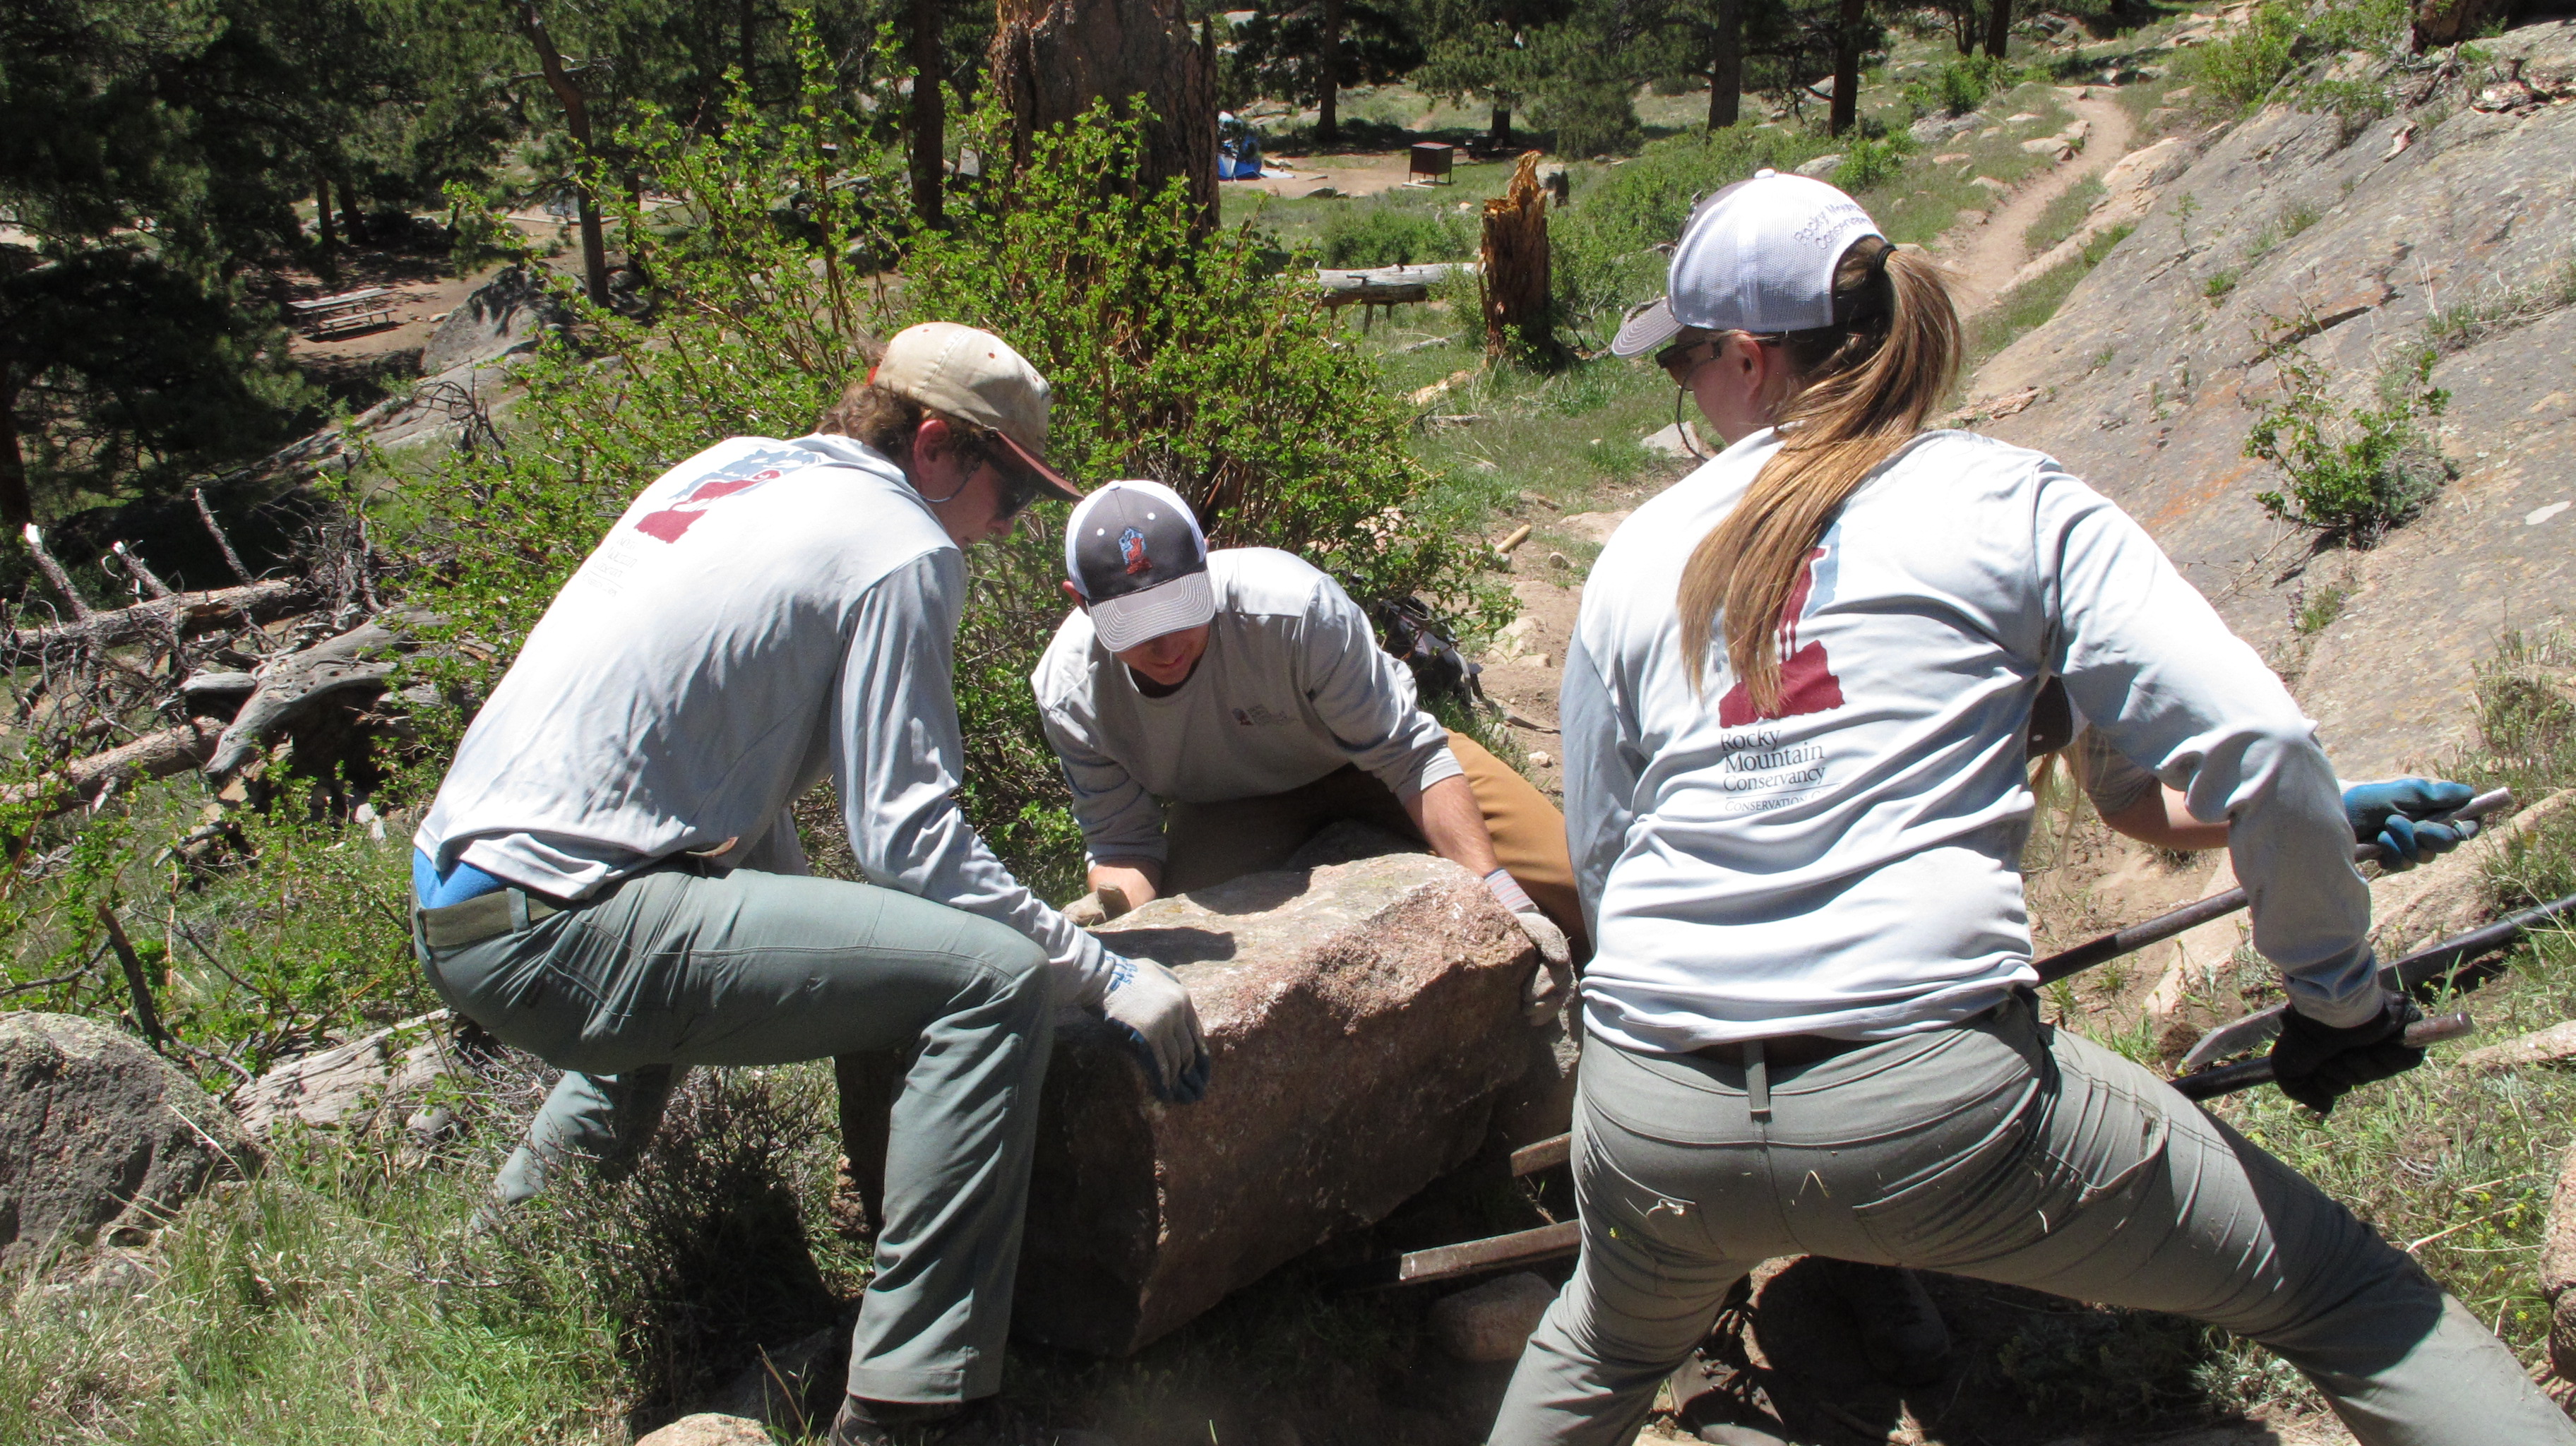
(1152, 1012)
(1553, 979)
(1097, 908)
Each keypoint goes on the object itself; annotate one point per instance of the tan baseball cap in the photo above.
(976, 377)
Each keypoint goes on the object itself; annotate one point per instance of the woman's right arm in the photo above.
(2151, 664)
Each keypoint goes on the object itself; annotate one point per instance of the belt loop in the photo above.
(518, 908)
(1757, 1080)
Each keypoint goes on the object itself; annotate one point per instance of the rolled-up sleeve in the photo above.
(1366, 700)
(2156, 670)
(1120, 820)
(898, 758)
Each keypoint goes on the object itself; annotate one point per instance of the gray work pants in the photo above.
(2008, 1151)
(671, 969)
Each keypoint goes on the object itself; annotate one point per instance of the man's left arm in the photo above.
(897, 754)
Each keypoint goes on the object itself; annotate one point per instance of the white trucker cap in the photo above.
(1758, 256)
(1135, 553)
(976, 377)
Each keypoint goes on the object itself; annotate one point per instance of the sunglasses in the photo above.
(1679, 360)
(1019, 488)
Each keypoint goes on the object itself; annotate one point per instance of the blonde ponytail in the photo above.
(1865, 386)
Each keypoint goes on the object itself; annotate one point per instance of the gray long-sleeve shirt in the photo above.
(1850, 867)
(764, 614)
(1293, 686)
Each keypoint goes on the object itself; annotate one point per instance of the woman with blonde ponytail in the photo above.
(1795, 713)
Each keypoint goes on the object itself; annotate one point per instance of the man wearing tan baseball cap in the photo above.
(610, 877)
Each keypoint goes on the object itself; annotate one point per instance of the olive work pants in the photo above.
(1209, 843)
(670, 969)
(2001, 1149)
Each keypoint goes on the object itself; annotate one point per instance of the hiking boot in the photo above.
(979, 1422)
(1901, 1331)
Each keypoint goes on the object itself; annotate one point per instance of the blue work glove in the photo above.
(2387, 813)
(1151, 1011)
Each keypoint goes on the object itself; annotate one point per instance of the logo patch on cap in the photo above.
(1131, 550)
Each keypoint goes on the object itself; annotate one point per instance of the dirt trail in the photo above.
(1984, 255)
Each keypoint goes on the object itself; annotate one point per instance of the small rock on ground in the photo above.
(1493, 1321)
(708, 1428)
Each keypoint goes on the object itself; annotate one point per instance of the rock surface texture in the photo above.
(1363, 1019)
(1492, 1321)
(2558, 1270)
(708, 1428)
(100, 1136)
(503, 315)
(2150, 372)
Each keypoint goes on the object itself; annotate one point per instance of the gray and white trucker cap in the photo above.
(1136, 555)
(1757, 256)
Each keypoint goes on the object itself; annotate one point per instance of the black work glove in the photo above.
(2315, 1063)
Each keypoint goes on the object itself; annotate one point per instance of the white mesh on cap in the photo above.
(1759, 255)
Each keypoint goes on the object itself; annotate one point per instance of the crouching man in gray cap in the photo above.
(610, 877)
(1247, 689)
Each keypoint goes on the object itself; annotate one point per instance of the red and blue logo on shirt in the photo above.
(674, 521)
(1807, 681)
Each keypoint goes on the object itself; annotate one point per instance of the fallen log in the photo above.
(292, 684)
(190, 612)
(1386, 285)
(85, 780)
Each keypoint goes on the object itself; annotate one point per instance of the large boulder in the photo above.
(1363, 1019)
(505, 314)
(2287, 230)
(99, 1136)
(2558, 1269)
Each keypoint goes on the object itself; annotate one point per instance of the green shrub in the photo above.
(1960, 86)
(1383, 234)
(2353, 474)
(1602, 258)
(1587, 118)
(1869, 162)
(2241, 69)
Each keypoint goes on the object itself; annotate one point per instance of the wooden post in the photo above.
(1052, 58)
(1847, 28)
(576, 108)
(1328, 77)
(1726, 65)
(929, 116)
(1515, 276)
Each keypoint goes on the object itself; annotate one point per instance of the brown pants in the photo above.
(1213, 842)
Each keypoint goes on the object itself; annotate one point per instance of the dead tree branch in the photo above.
(85, 780)
(190, 612)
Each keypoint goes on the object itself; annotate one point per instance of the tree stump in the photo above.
(1052, 58)
(1515, 272)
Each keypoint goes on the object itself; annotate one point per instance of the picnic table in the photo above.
(348, 311)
